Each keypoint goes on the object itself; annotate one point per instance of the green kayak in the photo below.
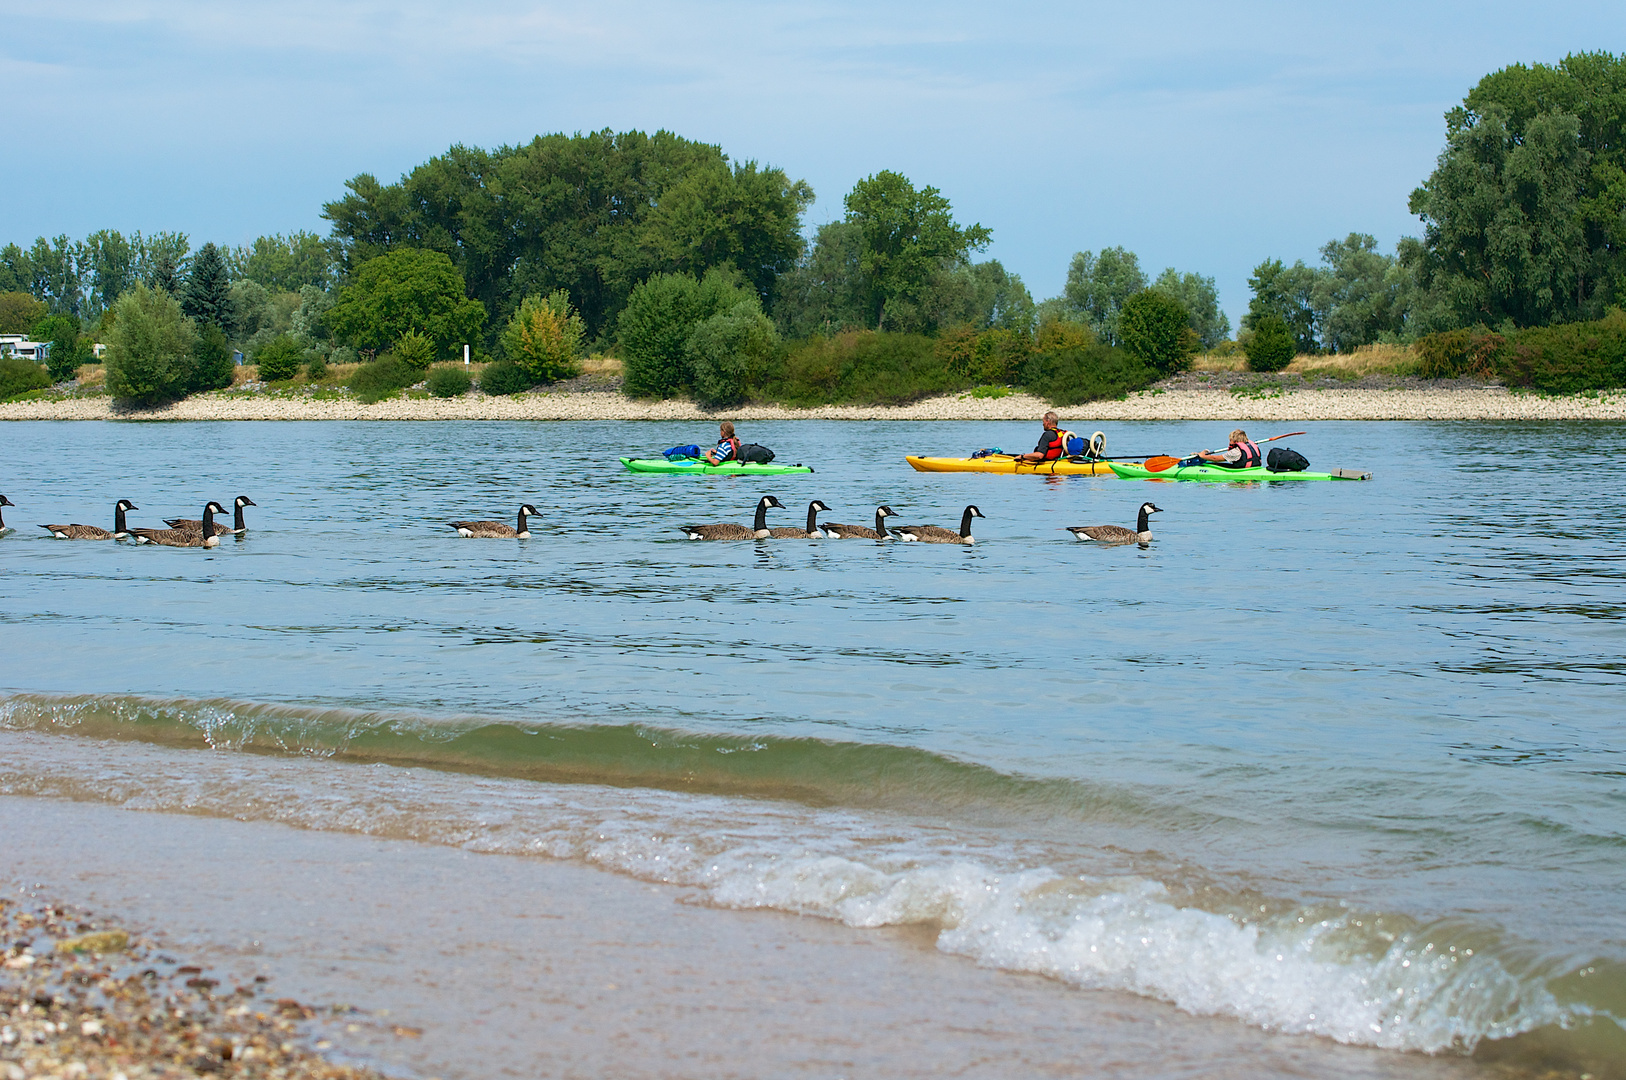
(698, 467)
(1213, 472)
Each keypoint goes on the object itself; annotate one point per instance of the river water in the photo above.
(1343, 760)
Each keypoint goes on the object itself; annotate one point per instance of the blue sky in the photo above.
(1201, 136)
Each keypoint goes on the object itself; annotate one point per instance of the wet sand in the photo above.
(521, 967)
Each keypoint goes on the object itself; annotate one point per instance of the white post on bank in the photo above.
(465, 355)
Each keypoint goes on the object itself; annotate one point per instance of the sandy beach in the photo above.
(1186, 400)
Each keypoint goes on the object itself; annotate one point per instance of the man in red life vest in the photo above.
(1241, 454)
(727, 448)
(1052, 442)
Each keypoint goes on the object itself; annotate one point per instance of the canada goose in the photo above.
(4, 528)
(861, 532)
(1117, 534)
(814, 509)
(205, 537)
(194, 525)
(931, 534)
(730, 531)
(91, 532)
(496, 530)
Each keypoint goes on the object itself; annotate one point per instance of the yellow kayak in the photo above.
(1005, 463)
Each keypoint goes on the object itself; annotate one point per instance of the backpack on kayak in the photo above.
(755, 453)
(1282, 459)
(1079, 446)
(681, 452)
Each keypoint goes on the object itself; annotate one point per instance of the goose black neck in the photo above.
(762, 517)
(208, 521)
(522, 516)
(880, 522)
(1140, 526)
(812, 516)
(118, 519)
(237, 518)
(2, 516)
(965, 522)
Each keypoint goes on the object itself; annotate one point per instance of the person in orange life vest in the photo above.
(1052, 442)
(727, 448)
(1241, 454)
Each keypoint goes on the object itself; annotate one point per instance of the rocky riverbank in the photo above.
(1195, 396)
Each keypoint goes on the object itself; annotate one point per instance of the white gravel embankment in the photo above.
(1456, 403)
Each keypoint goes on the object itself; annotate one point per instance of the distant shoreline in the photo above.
(1487, 402)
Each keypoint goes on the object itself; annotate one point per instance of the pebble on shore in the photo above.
(71, 1012)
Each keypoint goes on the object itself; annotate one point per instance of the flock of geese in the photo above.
(923, 534)
(206, 532)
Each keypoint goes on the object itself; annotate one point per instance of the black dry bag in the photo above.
(1281, 459)
(756, 454)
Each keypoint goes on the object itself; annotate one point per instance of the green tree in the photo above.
(279, 358)
(1271, 347)
(1364, 297)
(827, 291)
(1201, 300)
(161, 260)
(284, 263)
(415, 351)
(1097, 287)
(658, 320)
(110, 262)
(906, 237)
(729, 352)
(212, 360)
(409, 289)
(68, 347)
(149, 352)
(544, 337)
(207, 297)
(1156, 331)
(1293, 294)
(19, 312)
(1503, 222)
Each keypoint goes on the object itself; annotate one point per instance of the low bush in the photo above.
(1271, 346)
(316, 368)
(450, 381)
(280, 358)
(730, 353)
(987, 356)
(1459, 354)
(415, 351)
(19, 376)
(503, 378)
(1568, 359)
(382, 378)
(1072, 376)
(544, 337)
(861, 366)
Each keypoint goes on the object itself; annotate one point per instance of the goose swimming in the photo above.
(205, 537)
(730, 531)
(4, 528)
(1117, 534)
(496, 530)
(837, 531)
(238, 528)
(812, 532)
(91, 532)
(932, 534)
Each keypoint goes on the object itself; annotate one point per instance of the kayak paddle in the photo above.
(1163, 463)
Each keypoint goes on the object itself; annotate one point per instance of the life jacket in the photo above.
(1251, 457)
(734, 447)
(1057, 447)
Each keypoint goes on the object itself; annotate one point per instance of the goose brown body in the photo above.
(932, 534)
(238, 527)
(729, 531)
(205, 537)
(837, 531)
(1117, 534)
(812, 532)
(496, 530)
(92, 532)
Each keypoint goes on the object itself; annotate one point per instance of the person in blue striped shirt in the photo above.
(727, 448)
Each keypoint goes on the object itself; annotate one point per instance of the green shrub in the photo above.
(861, 366)
(503, 378)
(449, 381)
(149, 352)
(19, 376)
(69, 348)
(1074, 375)
(1155, 329)
(1569, 358)
(544, 337)
(212, 361)
(415, 351)
(382, 378)
(279, 358)
(1458, 354)
(1272, 347)
(986, 357)
(729, 354)
(316, 368)
(657, 322)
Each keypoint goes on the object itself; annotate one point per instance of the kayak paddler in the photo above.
(1240, 454)
(1052, 442)
(727, 448)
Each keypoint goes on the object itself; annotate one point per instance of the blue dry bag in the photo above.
(681, 451)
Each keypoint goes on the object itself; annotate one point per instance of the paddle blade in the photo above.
(1161, 463)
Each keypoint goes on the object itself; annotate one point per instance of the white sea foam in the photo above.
(997, 905)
